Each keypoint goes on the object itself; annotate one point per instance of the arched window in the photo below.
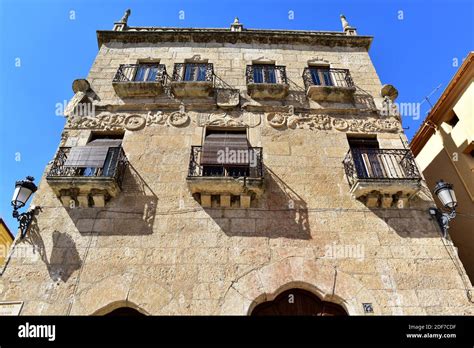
(298, 302)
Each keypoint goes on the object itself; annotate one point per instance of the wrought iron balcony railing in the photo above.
(193, 72)
(114, 166)
(141, 73)
(266, 73)
(314, 76)
(380, 165)
(252, 166)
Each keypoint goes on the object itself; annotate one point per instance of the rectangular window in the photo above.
(226, 153)
(366, 158)
(98, 158)
(264, 74)
(146, 72)
(321, 76)
(195, 72)
(453, 120)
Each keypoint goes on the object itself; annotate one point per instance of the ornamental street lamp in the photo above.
(23, 191)
(446, 195)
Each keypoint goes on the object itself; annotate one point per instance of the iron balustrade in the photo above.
(141, 73)
(380, 165)
(248, 170)
(114, 166)
(193, 72)
(315, 76)
(266, 73)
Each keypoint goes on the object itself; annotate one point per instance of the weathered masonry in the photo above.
(220, 171)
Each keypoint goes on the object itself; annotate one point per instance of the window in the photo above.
(453, 120)
(366, 157)
(264, 74)
(226, 153)
(195, 72)
(146, 72)
(321, 76)
(98, 158)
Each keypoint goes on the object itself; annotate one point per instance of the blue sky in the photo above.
(415, 50)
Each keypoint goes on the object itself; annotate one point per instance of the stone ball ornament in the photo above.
(389, 91)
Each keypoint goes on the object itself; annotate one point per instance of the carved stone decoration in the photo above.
(227, 120)
(326, 122)
(227, 98)
(134, 122)
(276, 120)
(64, 137)
(104, 122)
(157, 118)
(178, 118)
(129, 122)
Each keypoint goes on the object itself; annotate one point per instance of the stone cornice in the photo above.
(247, 36)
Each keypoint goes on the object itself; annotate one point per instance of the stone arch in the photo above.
(144, 294)
(116, 305)
(296, 285)
(265, 283)
(296, 301)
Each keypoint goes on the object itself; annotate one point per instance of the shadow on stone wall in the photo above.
(132, 212)
(64, 258)
(412, 222)
(280, 213)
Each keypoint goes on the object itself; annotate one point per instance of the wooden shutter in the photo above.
(93, 155)
(105, 142)
(87, 156)
(226, 142)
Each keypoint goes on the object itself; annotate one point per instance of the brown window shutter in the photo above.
(87, 156)
(225, 141)
(106, 142)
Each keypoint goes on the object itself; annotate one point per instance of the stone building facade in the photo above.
(329, 201)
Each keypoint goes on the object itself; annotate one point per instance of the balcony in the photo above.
(267, 81)
(331, 85)
(139, 80)
(226, 185)
(193, 80)
(383, 177)
(90, 185)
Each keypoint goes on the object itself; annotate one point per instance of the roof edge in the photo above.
(464, 74)
(2, 222)
(261, 36)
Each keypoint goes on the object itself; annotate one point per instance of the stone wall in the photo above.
(154, 248)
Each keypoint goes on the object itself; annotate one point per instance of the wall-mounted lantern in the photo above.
(23, 191)
(446, 195)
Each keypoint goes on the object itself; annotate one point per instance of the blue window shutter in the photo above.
(315, 76)
(257, 74)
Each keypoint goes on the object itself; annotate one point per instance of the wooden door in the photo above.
(298, 302)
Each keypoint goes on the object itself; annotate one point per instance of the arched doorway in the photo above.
(298, 302)
(125, 312)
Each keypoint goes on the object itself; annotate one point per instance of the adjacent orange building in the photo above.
(6, 239)
(444, 149)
